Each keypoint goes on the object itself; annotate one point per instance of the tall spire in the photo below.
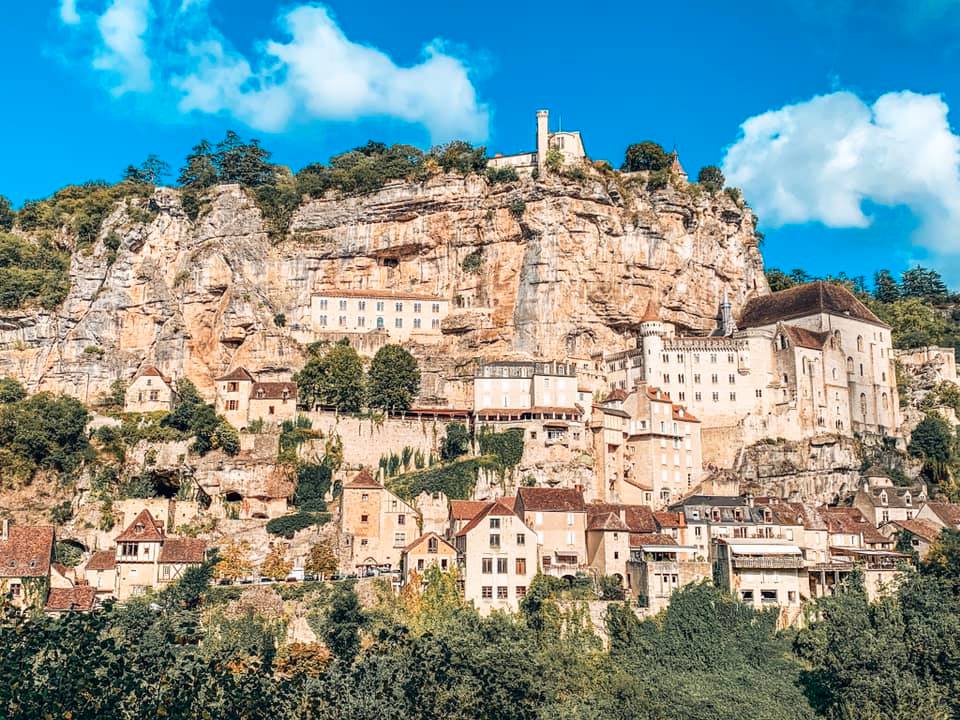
(652, 313)
(727, 324)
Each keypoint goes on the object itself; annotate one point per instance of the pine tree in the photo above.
(886, 289)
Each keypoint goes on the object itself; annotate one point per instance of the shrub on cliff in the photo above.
(287, 526)
(393, 380)
(711, 178)
(11, 390)
(32, 272)
(45, 431)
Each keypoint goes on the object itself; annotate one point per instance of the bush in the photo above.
(506, 447)
(501, 175)
(472, 262)
(456, 442)
(62, 513)
(280, 320)
(313, 483)
(11, 390)
(711, 178)
(658, 180)
(32, 273)
(394, 379)
(45, 431)
(288, 525)
(518, 208)
(456, 479)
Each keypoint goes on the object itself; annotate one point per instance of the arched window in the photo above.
(859, 343)
(849, 364)
(863, 404)
(834, 373)
(379, 323)
(883, 401)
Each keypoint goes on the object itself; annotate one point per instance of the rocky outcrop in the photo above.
(565, 266)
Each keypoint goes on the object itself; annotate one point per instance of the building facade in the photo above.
(558, 516)
(378, 525)
(150, 391)
(428, 550)
(403, 316)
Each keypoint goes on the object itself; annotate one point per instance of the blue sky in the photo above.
(848, 156)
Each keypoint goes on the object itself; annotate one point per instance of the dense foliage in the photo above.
(32, 272)
(287, 525)
(393, 380)
(192, 416)
(333, 377)
(646, 155)
(42, 431)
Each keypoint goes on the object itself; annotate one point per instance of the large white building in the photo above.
(568, 144)
(805, 361)
(402, 315)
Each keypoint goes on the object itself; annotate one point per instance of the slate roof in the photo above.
(183, 550)
(896, 496)
(26, 552)
(102, 560)
(79, 598)
(550, 499)
(804, 300)
(239, 374)
(273, 391)
(143, 529)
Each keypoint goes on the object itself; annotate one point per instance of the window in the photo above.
(323, 320)
(570, 519)
(486, 592)
(342, 320)
(343, 304)
(521, 591)
(747, 595)
(15, 589)
(731, 378)
(733, 397)
(233, 386)
(420, 564)
(398, 307)
(571, 537)
(713, 359)
(714, 379)
(443, 564)
(401, 519)
(364, 497)
(521, 539)
(696, 397)
(398, 323)
(362, 305)
(494, 540)
(433, 545)
(730, 358)
(501, 566)
(379, 305)
(233, 404)
(361, 321)
(155, 395)
(364, 518)
(416, 307)
(860, 343)
(436, 307)
(129, 550)
(768, 596)
(323, 304)
(759, 392)
(379, 323)
(435, 323)
(501, 592)
(416, 323)
(486, 565)
(716, 397)
(521, 566)
(494, 523)
(696, 377)
(666, 378)
(270, 410)
(792, 596)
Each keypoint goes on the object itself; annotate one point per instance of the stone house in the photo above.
(26, 554)
(233, 396)
(428, 550)
(921, 534)
(658, 566)
(763, 573)
(272, 402)
(147, 558)
(100, 572)
(403, 316)
(558, 516)
(941, 514)
(462, 512)
(150, 391)
(608, 542)
(79, 598)
(848, 527)
(569, 145)
(378, 525)
(497, 554)
(658, 456)
(539, 398)
(881, 501)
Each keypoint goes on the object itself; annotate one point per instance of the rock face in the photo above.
(566, 267)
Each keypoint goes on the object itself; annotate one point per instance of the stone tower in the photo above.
(543, 137)
(728, 325)
(651, 339)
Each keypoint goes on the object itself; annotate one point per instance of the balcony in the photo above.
(768, 563)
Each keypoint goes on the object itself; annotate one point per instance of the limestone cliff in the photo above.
(565, 266)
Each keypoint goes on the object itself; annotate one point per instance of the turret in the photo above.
(728, 325)
(543, 137)
(651, 339)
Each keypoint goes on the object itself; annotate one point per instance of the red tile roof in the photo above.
(921, 528)
(363, 480)
(183, 550)
(652, 313)
(803, 300)
(681, 413)
(423, 538)
(639, 518)
(666, 519)
(658, 395)
(618, 395)
(102, 560)
(607, 522)
(949, 513)
(151, 371)
(550, 499)
(26, 552)
(239, 374)
(852, 521)
(466, 509)
(273, 391)
(637, 539)
(496, 508)
(79, 598)
(143, 529)
(801, 337)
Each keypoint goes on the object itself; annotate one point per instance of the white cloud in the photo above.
(312, 72)
(822, 159)
(123, 55)
(68, 12)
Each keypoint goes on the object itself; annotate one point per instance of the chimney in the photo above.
(578, 488)
(543, 136)
(5, 529)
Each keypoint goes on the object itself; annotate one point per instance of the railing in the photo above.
(768, 563)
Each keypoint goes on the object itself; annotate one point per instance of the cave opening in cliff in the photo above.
(232, 497)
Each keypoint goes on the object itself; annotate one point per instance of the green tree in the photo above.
(321, 561)
(46, 430)
(7, 214)
(313, 483)
(456, 442)
(151, 171)
(646, 155)
(711, 178)
(342, 381)
(244, 163)
(914, 323)
(393, 379)
(933, 442)
(923, 283)
(778, 280)
(200, 171)
(11, 390)
(885, 287)
(343, 624)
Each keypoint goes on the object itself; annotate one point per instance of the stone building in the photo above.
(497, 554)
(242, 399)
(378, 525)
(26, 553)
(646, 449)
(569, 144)
(540, 398)
(402, 316)
(147, 558)
(558, 516)
(800, 362)
(428, 550)
(233, 396)
(941, 514)
(150, 391)
(658, 567)
(919, 534)
(881, 501)
(763, 573)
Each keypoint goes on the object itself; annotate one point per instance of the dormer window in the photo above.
(138, 528)
(908, 501)
(883, 497)
(260, 394)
